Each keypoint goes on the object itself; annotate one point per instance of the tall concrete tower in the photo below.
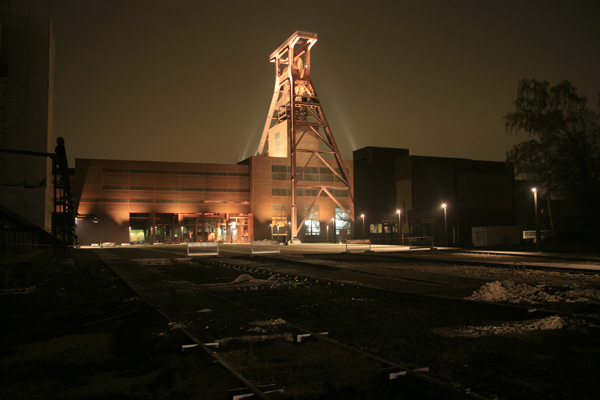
(26, 110)
(296, 128)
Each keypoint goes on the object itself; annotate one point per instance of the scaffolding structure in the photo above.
(296, 126)
(63, 213)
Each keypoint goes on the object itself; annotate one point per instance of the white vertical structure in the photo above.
(26, 111)
(296, 126)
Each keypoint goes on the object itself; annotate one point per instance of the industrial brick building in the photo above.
(296, 186)
(169, 202)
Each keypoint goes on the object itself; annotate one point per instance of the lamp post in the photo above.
(333, 223)
(445, 224)
(399, 226)
(327, 232)
(363, 218)
(290, 229)
(538, 237)
(278, 238)
(271, 225)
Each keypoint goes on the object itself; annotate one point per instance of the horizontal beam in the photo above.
(295, 35)
(28, 153)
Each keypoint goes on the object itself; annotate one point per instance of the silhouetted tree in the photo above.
(563, 150)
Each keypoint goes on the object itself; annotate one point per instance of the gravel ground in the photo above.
(81, 333)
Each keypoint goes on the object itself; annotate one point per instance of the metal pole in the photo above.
(363, 218)
(333, 219)
(538, 236)
(445, 225)
(400, 227)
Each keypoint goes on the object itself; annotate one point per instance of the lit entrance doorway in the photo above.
(216, 227)
(150, 228)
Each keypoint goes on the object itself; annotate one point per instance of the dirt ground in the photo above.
(80, 333)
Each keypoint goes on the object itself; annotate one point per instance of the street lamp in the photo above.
(445, 224)
(271, 225)
(333, 222)
(327, 232)
(399, 226)
(363, 218)
(538, 237)
(290, 229)
(278, 238)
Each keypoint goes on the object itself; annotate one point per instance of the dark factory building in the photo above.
(387, 180)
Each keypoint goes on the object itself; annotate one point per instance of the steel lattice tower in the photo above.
(296, 126)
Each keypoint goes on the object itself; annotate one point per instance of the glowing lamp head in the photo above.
(362, 215)
(444, 205)
(398, 211)
(534, 190)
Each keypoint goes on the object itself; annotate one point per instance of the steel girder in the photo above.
(295, 102)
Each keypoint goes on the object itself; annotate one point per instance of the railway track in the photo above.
(283, 339)
(263, 319)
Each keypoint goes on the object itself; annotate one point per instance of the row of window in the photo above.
(174, 189)
(170, 172)
(308, 192)
(281, 176)
(315, 209)
(308, 170)
(88, 200)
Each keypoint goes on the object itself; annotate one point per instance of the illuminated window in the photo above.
(312, 223)
(313, 228)
(342, 220)
(280, 192)
(279, 216)
(375, 228)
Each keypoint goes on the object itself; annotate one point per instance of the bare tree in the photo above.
(563, 150)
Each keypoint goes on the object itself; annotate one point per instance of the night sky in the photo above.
(190, 80)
